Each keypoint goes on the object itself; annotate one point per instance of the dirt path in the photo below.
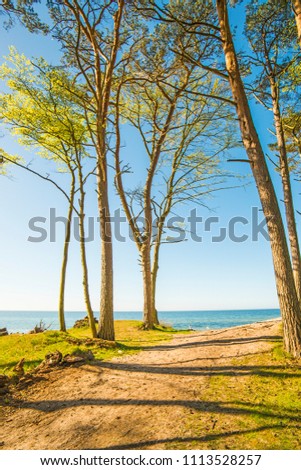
(139, 401)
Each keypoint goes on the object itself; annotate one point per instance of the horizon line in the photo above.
(141, 311)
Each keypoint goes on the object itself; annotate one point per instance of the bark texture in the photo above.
(106, 319)
(65, 256)
(156, 254)
(288, 300)
(287, 191)
(155, 269)
(149, 311)
(103, 91)
(83, 254)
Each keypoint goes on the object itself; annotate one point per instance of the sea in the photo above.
(23, 321)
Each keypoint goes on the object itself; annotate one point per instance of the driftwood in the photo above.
(57, 359)
(40, 328)
(3, 332)
(22, 380)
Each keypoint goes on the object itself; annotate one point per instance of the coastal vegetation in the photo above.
(154, 102)
(34, 347)
(172, 73)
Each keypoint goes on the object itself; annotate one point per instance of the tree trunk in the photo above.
(287, 191)
(289, 305)
(155, 267)
(149, 316)
(65, 257)
(149, 311)
(154, 286)
(297, 10)
(83, 253)
(106, 318)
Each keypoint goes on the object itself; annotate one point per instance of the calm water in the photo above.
(23, 321)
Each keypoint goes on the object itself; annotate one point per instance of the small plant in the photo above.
(40, 328)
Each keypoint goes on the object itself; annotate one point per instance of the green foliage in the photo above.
(43, 108)
(292, 115)
(163, 79)
(275, 65)
(6, 160)
(25, 12)
(270, 30)
(34, 347)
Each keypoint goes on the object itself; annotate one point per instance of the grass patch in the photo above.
(254, 404)
(129, 340)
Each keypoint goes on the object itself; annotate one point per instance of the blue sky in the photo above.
(192, 276)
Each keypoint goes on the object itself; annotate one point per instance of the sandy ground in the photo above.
(132, 402)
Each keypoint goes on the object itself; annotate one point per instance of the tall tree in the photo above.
(289, 304)
(199, 18)
(271, 36)
(172, 105)
(92, 36)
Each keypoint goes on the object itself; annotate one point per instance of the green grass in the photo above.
(129, 340)
(256, 404)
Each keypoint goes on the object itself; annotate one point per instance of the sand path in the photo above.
(142, 401)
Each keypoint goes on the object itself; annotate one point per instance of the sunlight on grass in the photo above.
(256, 406)
(129, 340)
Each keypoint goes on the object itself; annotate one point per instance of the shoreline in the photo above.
(246, 325)
(185, 322)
